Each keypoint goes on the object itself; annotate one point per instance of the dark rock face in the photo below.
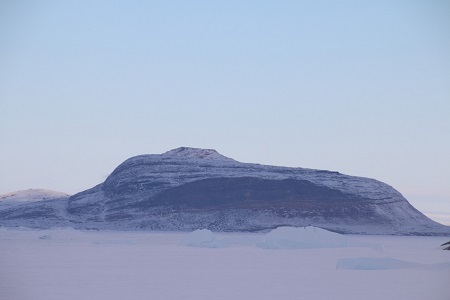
(187, 188)
(250, 193)
(446, 246)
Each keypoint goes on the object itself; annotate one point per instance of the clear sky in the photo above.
(359, 87)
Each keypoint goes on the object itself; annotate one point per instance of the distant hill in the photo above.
(30, 195)
(190, 188)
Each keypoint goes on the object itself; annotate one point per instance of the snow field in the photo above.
(69, 264)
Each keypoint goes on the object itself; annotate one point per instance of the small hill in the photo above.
(29, 196)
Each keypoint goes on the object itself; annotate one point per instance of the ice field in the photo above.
(287, 263)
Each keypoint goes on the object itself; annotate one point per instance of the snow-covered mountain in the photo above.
(33, 208)
(189, 188)
(29, 196)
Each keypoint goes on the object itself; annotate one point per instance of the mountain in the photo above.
(32, 195)
(189, 188)
(29, 196)
(33, 208)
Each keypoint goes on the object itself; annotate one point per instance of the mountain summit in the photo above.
(195, 153)
(191, 188)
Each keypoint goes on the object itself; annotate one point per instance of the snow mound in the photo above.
(45, 237)
(373, 263)
(202, 238)
(308, 238)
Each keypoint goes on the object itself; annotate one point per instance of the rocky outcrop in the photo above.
(446, 246)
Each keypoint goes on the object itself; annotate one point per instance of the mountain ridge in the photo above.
(191, 188)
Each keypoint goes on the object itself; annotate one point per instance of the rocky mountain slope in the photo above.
(189, 188)
(29, 196)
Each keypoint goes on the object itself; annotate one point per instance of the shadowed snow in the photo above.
(373, 263)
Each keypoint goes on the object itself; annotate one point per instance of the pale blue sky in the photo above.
(360, 87)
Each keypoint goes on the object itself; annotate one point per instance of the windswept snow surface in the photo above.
(374, 263)
(70, 264)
